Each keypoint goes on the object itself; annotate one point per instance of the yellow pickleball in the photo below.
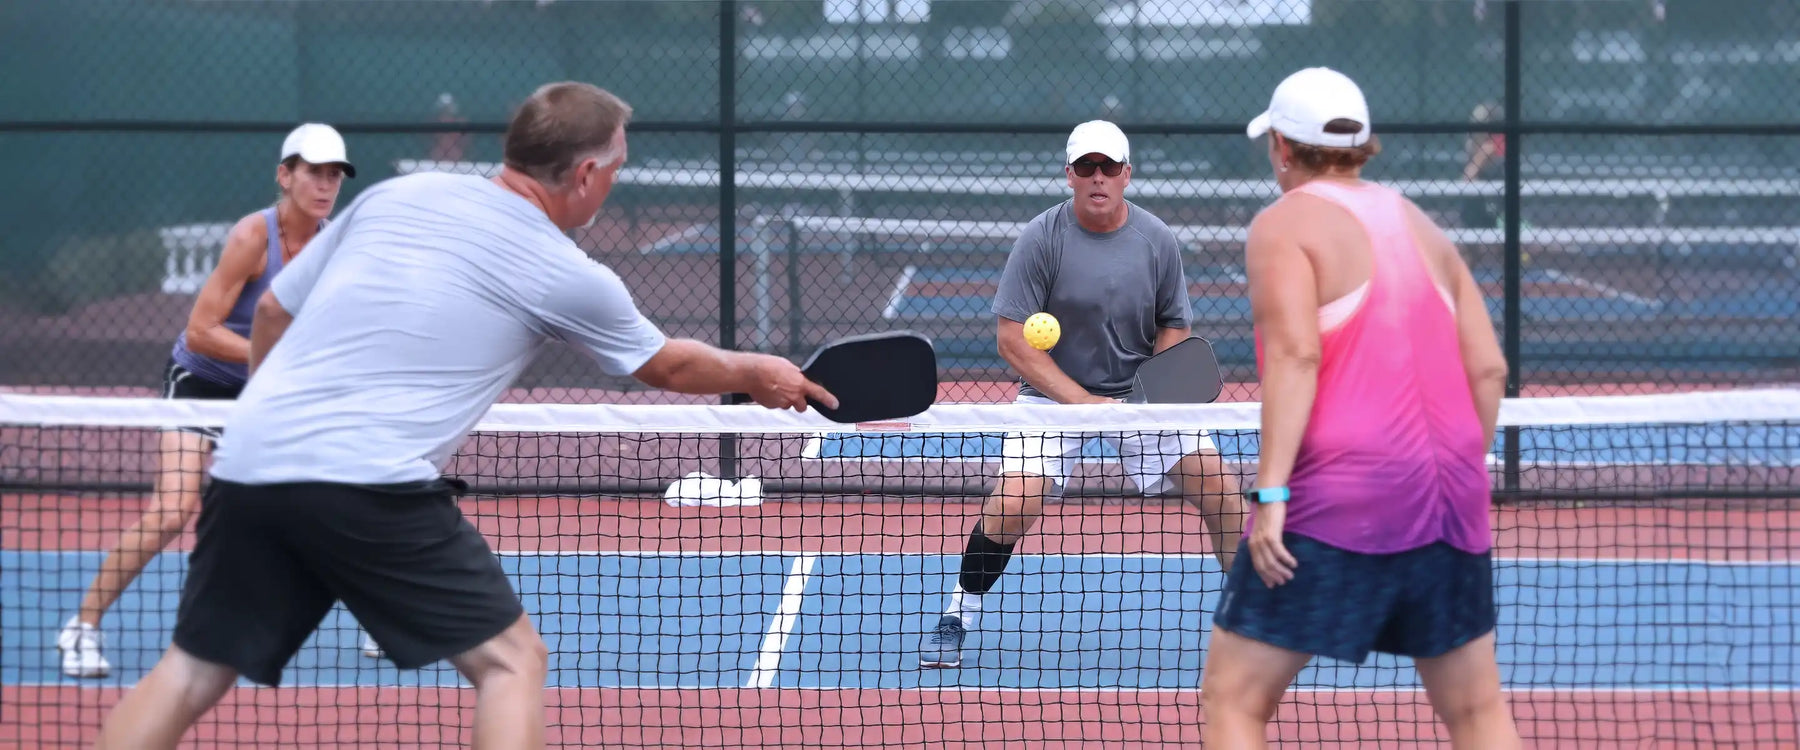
(1042, 331)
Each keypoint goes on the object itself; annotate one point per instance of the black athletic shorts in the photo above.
(271, 560)
(1419, 603)
(179, 382)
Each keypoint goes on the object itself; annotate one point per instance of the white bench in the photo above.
(191, 251)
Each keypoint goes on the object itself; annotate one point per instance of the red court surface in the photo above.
(1737, 531)
(396, 717)
(401, 718)
(1718, 530)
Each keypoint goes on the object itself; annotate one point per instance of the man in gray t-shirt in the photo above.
(373, 355)
(1111, 274)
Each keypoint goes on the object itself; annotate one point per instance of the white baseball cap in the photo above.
(1098, 137)
(1309, 99)
(317, 143)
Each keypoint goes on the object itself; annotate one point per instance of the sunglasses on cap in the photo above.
(1085, 168)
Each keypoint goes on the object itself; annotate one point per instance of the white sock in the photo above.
(964, 605)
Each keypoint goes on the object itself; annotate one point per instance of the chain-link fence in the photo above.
(1620, 173)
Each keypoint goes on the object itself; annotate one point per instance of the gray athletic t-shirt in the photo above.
(413, 312)
(1111, 292)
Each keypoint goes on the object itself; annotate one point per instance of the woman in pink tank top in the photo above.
(1381, 381)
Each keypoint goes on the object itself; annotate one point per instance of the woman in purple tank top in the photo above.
(208, 362)
(1381, 382)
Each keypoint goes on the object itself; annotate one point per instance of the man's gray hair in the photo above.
(561, 125)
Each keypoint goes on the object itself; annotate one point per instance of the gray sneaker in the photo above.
(943, 645)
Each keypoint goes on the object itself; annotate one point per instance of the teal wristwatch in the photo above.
(1267, 495)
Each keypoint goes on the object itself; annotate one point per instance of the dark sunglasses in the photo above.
(1085, 168)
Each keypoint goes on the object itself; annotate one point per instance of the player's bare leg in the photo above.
(1241, 686)
(174, 500)
(1214, 491)
(161, 708)
(1014, 507)
(1464, 688)
(508, 672)
(1010, 512)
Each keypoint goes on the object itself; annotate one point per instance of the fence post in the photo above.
(762, 284)
(728, 207)
(796, 302)
(1514, 259)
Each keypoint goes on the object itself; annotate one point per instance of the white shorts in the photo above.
(1147, 457)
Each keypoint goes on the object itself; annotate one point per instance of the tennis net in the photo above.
(1644, 569)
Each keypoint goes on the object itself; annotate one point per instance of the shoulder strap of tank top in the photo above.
(1378, 209)
(1368, 196)
(1321, 189)
(272, 253)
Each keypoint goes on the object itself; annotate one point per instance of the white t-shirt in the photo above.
(413, 312)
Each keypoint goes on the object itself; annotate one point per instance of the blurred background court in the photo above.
(1621, 174)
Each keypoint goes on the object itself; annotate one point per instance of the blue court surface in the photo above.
(1060, 622)
(1742, 445)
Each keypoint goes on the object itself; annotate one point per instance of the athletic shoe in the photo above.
(80, 644)
(943, 645)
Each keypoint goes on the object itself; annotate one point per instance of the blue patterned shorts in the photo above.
(1420, 603)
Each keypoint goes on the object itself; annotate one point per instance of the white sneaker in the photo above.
(80, 645)
(370, 648)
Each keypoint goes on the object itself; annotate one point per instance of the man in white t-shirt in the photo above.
(398, 328)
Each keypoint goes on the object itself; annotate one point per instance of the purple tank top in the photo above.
(238, 320)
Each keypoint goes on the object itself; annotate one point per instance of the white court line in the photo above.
(768, 658)
(893, 306)
(813, 445)
(810, 554)
(684, 235)
(1605, 290)
(1585, 690)
(813, 450)
(1499, 559)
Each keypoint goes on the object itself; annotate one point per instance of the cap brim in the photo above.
(1258, 127)
(349, 169)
